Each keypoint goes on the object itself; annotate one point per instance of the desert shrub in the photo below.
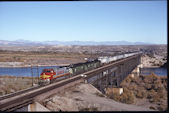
(148, 86)
(161, 93)
(7, 91)
(29, 83)
(133, 79)
(115, 96)
(141, 84)
(151, 94)
(140, 88)
(150, 78)
(128, 79)
(151, 107)
(132, 87)
(155, 99)
(21, 87)
(141, 94)
(1, 92)
(89, 109)
(141, 77)
(99, 94)
(164, 82)
(136, 81)
(160, 108)
(126, 97)
(10, 86)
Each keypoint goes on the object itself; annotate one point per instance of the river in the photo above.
(157, 71)
(26, 71)
(23, 71)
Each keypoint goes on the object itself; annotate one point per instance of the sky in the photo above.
(133, 21)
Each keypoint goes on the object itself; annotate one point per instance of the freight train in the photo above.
(49, 75)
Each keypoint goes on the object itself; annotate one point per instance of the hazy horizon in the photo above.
(98, 21)
(82, 42)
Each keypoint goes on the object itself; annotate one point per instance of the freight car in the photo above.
(106, 60)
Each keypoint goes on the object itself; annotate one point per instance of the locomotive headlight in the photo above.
(83, 75)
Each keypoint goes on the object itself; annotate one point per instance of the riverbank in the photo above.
(146, 91)
(20, 64)
(152, 61)
(25, 59)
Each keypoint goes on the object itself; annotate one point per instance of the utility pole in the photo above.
(38, 72)
(32, 74)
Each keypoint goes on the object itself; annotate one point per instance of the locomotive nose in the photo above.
(44, 76)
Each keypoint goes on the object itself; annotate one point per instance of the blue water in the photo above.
(26, 71)
(157, 71)
(23, 71)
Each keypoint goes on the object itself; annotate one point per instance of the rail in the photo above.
(12, 102)
(19, 99)
(103, 68)
(18, 93)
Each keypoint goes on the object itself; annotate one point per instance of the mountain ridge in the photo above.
(28, 42)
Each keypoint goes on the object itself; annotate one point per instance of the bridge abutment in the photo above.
(36, 106)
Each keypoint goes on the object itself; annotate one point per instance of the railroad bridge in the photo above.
(109, 75)
(113, 74)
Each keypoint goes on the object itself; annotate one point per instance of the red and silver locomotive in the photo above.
(48, 75)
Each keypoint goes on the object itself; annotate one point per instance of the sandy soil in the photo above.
(85, 97)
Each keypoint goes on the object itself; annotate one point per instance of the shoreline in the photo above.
(32, 66)
(153, 67)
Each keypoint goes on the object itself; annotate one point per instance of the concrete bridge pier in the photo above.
(98, 80)
(101, 83)
(138, 69)
(110, 76)
(36, 106)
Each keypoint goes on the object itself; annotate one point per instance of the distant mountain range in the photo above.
(32, 43)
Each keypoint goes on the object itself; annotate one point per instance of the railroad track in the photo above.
(19, 99)
(103, 68)
(11, 103)
(18, 93)
(24, 91)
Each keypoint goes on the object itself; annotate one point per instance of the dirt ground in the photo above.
(19, 59)
(85, 97)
